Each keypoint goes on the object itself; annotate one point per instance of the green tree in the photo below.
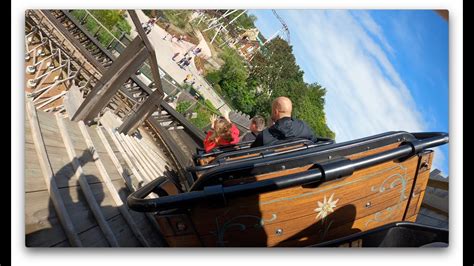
(309, 107)
(275, 73)
(232, 80)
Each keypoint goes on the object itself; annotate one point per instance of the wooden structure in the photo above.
(78, 178)
(120, 71)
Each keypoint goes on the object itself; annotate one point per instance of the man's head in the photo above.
(257, 124)
(281, 107)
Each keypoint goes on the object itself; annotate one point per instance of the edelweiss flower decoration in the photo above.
(326, 207)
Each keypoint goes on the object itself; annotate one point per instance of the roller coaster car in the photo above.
(297, 193)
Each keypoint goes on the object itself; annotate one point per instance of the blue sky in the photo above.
(383, 69)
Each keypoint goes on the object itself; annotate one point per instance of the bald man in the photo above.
(285, 128)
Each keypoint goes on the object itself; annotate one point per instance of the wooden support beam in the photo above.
(153, 60)
(110, 186)
(122, 69)
(84, 185)
(436, 183)
(48, 175)
(135, 119)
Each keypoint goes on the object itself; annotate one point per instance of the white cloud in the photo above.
(372, 27)
(365, 93)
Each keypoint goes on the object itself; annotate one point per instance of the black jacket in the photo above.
(249, 136)
(285, 129)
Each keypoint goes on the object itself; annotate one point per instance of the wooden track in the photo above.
(87, 178)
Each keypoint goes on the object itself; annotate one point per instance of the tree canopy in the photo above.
(273, 72)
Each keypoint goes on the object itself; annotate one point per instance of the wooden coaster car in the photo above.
(300, 194)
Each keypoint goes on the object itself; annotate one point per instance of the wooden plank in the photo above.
(48, 175)
(64, 170)
(93, 236)
(77, 206)
(152, 54)
(108, 183)
(430, 217)
(126, 178)
(124, 235)
(79, 175)
(158, 162)
(128, 160)
(154, 151)
(143, 157)
(130, 186)
(42, 226)
(34, 180)
(134, 157)
(108, 122)
(430, 221)
(104, 154)
(151, 144)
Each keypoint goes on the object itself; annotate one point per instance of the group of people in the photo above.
(184, 62)
(187, 58)
(148, 25)
(223, 132)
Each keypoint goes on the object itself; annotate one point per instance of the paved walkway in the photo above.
(165, 49)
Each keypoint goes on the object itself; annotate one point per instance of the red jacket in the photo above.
(210, 144)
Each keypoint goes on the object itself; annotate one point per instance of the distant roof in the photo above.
(251, 34)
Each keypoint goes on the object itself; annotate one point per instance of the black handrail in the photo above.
(259, 151)
(222, 149)
(323, 172)
(273, 161)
